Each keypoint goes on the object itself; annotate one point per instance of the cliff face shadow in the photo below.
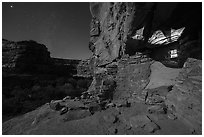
(143, 78)
(34, 78)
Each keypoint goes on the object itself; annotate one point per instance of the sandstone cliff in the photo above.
(144, 81)
(114, 24)
(24, 55)
(121, 35)
(30, 77)
(32, 57)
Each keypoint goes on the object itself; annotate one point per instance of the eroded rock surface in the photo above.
(174, 109)
(185, 99)
(85, 68)
(111, 26)
(24, 55)
(32, 57)
(131, 93)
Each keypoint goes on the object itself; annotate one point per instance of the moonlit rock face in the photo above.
(159, 38)
(139, 34)
(177, 32)
(162, 75)
(112, 24)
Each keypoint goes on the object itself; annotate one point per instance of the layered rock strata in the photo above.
(85, 68)
(131, 93)
(122, 29)
(24, 55)
(32, 57)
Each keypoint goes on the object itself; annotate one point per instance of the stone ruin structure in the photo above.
(125, 37)
(147, 75)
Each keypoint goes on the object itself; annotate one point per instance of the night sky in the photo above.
(62, 27)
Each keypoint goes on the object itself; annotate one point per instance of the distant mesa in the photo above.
(32, 57)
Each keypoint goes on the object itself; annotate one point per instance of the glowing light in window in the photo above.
(174, 53)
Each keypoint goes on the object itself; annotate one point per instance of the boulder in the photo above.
(63, 110)
(55, 105)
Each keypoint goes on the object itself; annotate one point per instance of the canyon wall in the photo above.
(127, 38)
(122, 36)
(32, 57)
(24, 55)
(147, 76)
(113, 26)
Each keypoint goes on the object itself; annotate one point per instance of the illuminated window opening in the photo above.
(174, 53)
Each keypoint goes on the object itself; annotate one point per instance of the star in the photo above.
(11, 6)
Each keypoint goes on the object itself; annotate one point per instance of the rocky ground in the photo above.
(169, 104)
(25, 92)
(30, 77)
(138, 86)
